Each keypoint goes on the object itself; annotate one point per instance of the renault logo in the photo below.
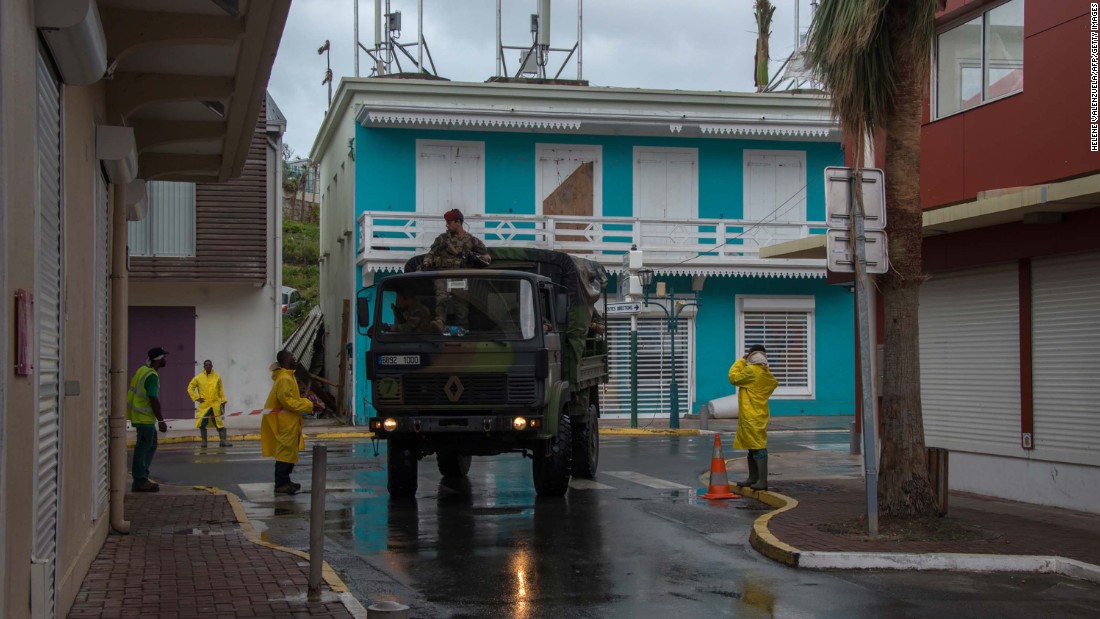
(453, 389)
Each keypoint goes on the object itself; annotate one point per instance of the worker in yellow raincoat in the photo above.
(281, 429)
(207, 391)
(755, 384)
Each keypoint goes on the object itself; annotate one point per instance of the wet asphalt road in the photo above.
(637, 542)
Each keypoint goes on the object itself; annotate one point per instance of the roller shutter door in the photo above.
(969, 360)
(654, 367)
(47, 306)
(1066, 355)
(102, 349)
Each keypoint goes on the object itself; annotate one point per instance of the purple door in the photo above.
(173, 329)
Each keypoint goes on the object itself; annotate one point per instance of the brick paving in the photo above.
(1007, 527)
(186, 557)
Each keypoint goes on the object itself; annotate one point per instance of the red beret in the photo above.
(453, 215)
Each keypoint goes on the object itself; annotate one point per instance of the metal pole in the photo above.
(420, 36)
(317, 520)
(500, 50)
(633, 370)
(356, 12)
(870, 453)
(580, 37)
(379, 69)
(674, 417)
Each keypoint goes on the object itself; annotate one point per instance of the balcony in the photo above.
(681, 247)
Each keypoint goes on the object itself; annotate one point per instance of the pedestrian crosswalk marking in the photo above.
(588, 484)
(646, 480)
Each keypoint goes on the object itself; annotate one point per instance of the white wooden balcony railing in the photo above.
(388, 239)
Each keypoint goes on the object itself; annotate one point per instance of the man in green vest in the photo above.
(143, 411)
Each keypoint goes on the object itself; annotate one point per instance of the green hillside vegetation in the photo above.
(300, 268)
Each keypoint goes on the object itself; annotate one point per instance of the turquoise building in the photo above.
(699, 181)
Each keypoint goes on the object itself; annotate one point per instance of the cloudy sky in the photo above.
(673, 44)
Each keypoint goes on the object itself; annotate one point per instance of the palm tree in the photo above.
(873, 57)
(763, 11)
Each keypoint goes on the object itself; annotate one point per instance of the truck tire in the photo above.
(586, 445)
(452, 464)
(401, 468)
(552, 460)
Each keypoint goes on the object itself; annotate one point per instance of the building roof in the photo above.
(189, 77)
(276, 120)
(433, 104)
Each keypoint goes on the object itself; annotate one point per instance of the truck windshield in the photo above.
(480, 307)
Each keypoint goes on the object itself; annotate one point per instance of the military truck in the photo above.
(485, 361)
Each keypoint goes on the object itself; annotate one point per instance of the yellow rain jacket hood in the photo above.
(281, 429)
(209, 388)
(755, 384)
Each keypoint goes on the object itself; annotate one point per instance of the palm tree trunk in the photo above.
(904, 488)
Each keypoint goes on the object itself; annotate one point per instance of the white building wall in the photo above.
(339, 275)
(1070, 486)
(233, 328)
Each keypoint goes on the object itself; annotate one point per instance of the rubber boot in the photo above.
(753, 473)
(202, 431)
(762, 471)
(222, 442)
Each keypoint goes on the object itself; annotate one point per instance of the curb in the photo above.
(170, 440)
(767, 544)
(335, 584)
(646, 432)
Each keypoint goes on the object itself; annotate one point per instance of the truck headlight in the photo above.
(390, 424)
(519, 423)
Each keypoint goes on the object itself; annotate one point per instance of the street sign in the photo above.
(624, 308)
(837, 198)
(841, 252)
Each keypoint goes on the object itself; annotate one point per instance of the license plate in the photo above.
(398, 359)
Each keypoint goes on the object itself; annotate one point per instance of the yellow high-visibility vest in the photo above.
(138, 407)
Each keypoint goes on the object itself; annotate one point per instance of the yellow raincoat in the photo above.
(209, 388)
(755, 384)
(281, 429)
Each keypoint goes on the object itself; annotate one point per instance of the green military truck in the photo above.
(484, 361)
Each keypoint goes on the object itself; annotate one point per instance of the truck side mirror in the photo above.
(561, 310)
(362, 311)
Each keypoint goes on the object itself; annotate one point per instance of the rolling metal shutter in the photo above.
(47, 305)
(654, 367)
(1066, 353)
(970, 360)
(100, 465)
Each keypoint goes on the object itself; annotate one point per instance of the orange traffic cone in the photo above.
(719, 483)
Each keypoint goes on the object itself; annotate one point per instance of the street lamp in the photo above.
(672, 322)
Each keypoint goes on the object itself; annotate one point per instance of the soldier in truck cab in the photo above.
(410, 315)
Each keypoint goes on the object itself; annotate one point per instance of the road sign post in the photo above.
(852, 211)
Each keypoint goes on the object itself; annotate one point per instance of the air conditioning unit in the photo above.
(73, 32)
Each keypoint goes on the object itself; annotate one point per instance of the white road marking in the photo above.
(827, 446)
(646, 480)
(588, 484)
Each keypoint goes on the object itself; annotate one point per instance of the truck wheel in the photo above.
(401, 461)
(550, 465)
(586, 445)
(453, 465)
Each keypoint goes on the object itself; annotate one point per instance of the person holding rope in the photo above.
(207, 391)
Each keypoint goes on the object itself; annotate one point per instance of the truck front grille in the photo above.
(477, 389)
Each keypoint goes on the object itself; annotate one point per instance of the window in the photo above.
(980, 60)
(568, 179)
(775, 193)
(666, 187)
(169, 226)
(784, 325)
(450, 175)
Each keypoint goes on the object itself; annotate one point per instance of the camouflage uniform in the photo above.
(416, 318)
(450, 251)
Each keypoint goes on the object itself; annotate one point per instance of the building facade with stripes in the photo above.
(697, 181)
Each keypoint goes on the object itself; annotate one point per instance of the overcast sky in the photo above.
(672, 44)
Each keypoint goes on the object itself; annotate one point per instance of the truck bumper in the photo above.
(385, 427)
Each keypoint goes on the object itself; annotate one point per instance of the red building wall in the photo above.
(1036, 136)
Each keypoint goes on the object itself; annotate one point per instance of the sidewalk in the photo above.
(191, 553)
